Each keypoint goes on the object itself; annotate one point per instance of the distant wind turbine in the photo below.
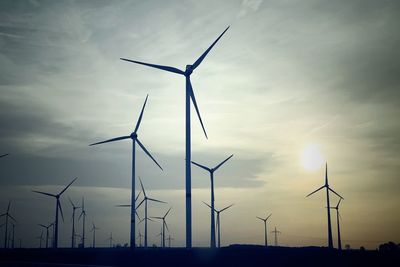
(265, 228)
(161, 237)
(83, 216)
(211, 171)
(40, 239)
(140, 238)
(326, 185)
(276, 232)
(189, 97)
(338, 217)
(8, 215)
(58, 207)
(73, 222)
(110, 239)
(13, 235)
(145, 199)
(135, 140)
(164, 225)
(47, 232)
(169, 240)
(219, 221)
(94, 228)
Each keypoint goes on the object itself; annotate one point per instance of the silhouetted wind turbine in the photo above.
(83, 216)
(110, 239)
(189, 96)
(8, 215)
(326, 185)
(164, 225)
(140, 238)
(47, 232)
(73, 222)
(211, 171)
(276, 232)
(169, 240)
(94, 228)
(219, 221)
(161, 237)
(40, 239)
(58, 207)
(145, 199)
(13, 235)
(265, 228)
(338, 217)
(135, 140)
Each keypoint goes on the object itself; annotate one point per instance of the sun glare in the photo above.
(311, 158)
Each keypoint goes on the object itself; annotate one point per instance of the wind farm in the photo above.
(283, 89)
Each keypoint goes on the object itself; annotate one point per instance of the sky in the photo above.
(290, 86)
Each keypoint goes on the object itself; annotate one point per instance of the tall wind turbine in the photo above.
(276, 232)
(94, 228)
(211, 171)
(161, 237)
(338, 217)
(47, 232)
(135, 140)
(83, 216)
(164, 225)
(189, 97)
(145, 199)
(219, 221)
(58, 207)
(74, 208)
(265, 228)
(8, 215)
(110, 239)
(326, 186)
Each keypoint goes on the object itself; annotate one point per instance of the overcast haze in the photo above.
(286, 75)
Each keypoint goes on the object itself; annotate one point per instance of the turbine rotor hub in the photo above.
(133, 135)
(189, 70)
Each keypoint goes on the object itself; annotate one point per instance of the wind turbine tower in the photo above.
(338, 217)
(265, 228)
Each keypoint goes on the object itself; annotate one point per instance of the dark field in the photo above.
(237, 255)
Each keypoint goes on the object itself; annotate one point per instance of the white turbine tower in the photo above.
(58, 207)
(189, 97)
(135, 140)
(211, 171)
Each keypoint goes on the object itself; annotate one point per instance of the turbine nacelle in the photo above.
(133, 136)
(189, 70)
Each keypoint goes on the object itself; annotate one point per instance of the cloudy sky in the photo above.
(292, 84)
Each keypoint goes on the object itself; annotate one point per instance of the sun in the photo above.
(311, 158)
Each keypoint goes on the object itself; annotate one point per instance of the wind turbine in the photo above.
(73, 222)
(140, 238)
(265, 228)
(169, 240)
(145, 199)
(164, 225)
(13, 235)
(47, 232)
(326, 185)
(110, 239)
(83, 216)
(94, 228)
(135, 140)
(58, 207)
(219, 221)
(211, 171)
(276, 232)
(161, 237)
(189, 97)
(40, 239)
(338, 217)
(8, 215)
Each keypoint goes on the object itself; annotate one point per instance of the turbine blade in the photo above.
(111, 140)
(201, 166)
(333, 191)
(148, 154)
(141, 115)
(8, 207)
(200, 59)
(160, 218)
(315, 191)
(191, 92)
(9, 215)
(161, 67)
(80, 215)
(219, 165)
(155, 200)
(3, 214)
(207, 205)
(70, 201)
(137, 215)
(42, 225)
(166, 225)
(138, 196)
(67, 186)
(4, 155)
(150, 220)
(226, 208)
(59, 206)
(260, 218)
(268, 217)
(125, 205)
(141, 203)
(83, 204)
(44, 193)
(167, 212)
(337, 206)
(141, 184)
